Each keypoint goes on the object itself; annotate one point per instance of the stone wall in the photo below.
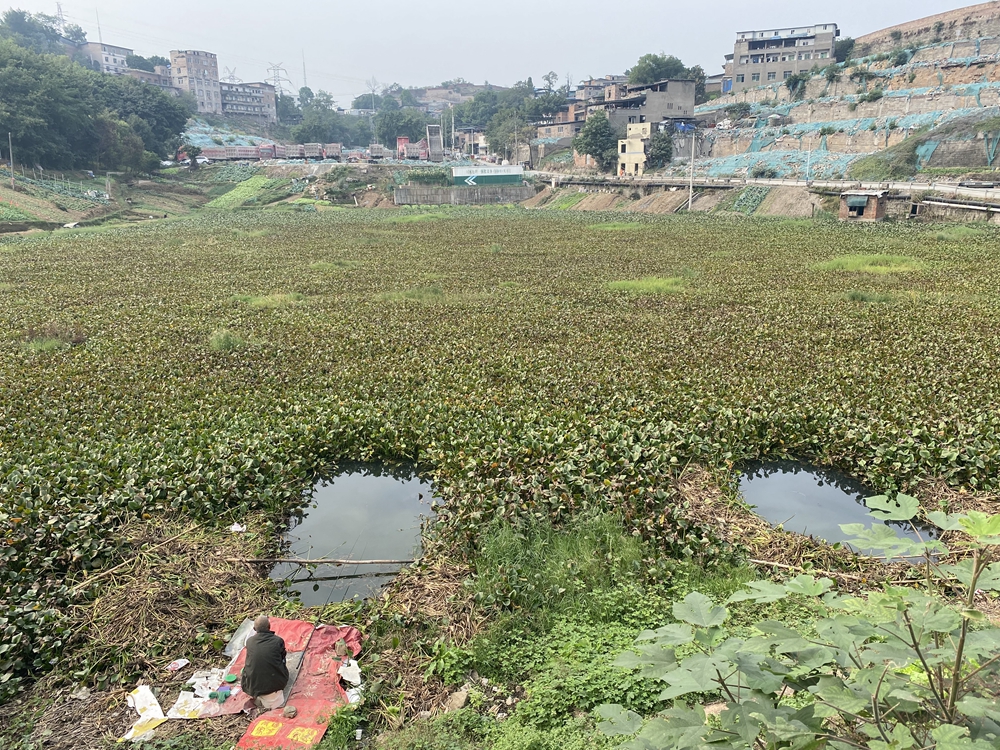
(971, 22)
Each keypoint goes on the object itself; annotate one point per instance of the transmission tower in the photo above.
(230, 76)
(278, 76)
(60, 19)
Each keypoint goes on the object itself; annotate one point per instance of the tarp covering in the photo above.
(316, 694)
(857, 201)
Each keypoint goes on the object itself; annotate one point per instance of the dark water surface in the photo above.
(811, 500)
(368, 512)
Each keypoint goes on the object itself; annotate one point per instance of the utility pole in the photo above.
(809, 154)
(305, 81)
(691, 176)
(10, 153)
(99, 37)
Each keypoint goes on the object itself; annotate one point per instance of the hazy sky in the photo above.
(428, 41)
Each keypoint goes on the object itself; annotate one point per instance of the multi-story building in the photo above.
(565, 124)
(197, 72)
(160, 78)
(672, 99)
(632, 149)
(255, 100)
(106, 57)
(763, 57)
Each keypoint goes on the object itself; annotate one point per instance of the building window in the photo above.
(755, 77)
(772, 76)
(740, 78)
(822, 55)
(786, 75)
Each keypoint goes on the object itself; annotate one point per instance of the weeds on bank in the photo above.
(270, 301)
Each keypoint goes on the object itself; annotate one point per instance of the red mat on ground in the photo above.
(316, 695)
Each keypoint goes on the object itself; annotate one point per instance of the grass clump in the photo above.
(53, 338)
(270, 301)
(224, 340)
(959, 233)
(856, 295)
(650, 285)
(414, 218)
(875, 264)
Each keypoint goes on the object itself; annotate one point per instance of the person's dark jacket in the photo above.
(265, 671)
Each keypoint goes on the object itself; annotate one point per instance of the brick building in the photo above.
(255, 100)
(763, 57)
(564, 124)
(197, 72)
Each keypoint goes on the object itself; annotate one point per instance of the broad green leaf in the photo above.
(806, 585)
(946, 521)
(951, 737)
(697, 609)
(975, 706)
(838, 695)
(652, 660)
(617, 721)
(983, 528)
(759, 591)
(674, 634)
(902, 508)
(739, 719)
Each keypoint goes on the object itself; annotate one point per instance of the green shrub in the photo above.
(903, 667)
(876, 264)
(224, 341)
(650, 285)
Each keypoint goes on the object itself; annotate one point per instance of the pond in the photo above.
(811, 500)
(366, 512)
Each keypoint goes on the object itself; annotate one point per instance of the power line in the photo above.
(278, 76)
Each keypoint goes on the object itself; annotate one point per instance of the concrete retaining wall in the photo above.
(462, 196)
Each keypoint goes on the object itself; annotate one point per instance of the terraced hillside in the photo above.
(947, 93)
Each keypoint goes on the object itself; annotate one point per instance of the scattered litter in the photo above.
(354, 696)
(290, 712)
(237, 528)
(71, 225)
(351, 672)
(206, 681)
(188, 706)
(82, 693)
(150, 713)
(358, 734)
(177, 664)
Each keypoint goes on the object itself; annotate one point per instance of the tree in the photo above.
(697, 73)
(286, 108)
(551, 79)
(74, 33)
(661, 149)
(408, 99)
(137, 62)
(34, 31)
(193, 152)
(118, 146)
(598, 139)
(305, 96)
(796, 85)
(842, 49)
(651, 68)
(507, 130)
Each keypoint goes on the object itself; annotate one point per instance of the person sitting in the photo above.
(265, 674)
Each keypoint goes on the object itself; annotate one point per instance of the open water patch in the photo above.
(365, 512)
(812, 500)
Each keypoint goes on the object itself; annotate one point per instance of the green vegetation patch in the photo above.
(650, 285)
(415, 218)
(224, 340)
(246, 191)
(959, 234)
(875, 264)
(616, 226)
(10, 213)
(565, 202)
(271, 301)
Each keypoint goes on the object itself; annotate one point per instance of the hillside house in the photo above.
(669, 100)
(632, 149)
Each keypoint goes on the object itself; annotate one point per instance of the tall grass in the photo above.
(959, 233)
(539, 567)
(856, 295)
(224, 340)
(875, 264)
(650, 285)
(270, 301)
(334, 265)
